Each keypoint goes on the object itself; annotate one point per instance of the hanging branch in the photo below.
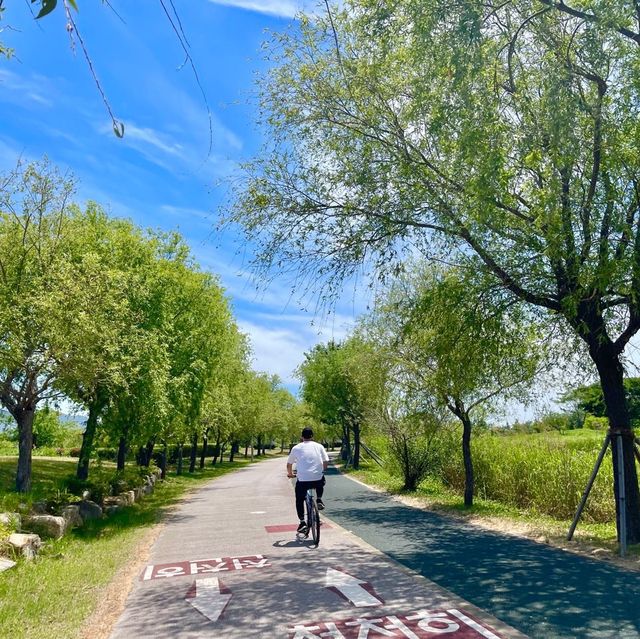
(185, 47)
(118, 127)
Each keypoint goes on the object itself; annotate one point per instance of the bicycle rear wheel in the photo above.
(314, 521)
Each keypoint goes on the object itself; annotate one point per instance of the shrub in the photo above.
(106, 454)
(596, 423)
(98, 487)
(74, 452)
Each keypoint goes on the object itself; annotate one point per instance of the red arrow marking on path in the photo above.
(359, 593)
(209, 596)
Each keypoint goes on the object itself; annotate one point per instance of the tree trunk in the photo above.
(205, 443)
(149, 451)
(88, 436)
(259, 445)
(345, 452)
(611, 375)
(24, 418)
(233, 451)
(122, 452)
(163, 461)
(179, 466)
(458, 409)
(409, 479)
(356, 446)
(194, 453)
(469, 480)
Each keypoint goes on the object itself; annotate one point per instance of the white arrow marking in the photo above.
(351, 588)
(209, 597)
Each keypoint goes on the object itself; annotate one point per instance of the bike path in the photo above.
(227, 564)
(544, 592)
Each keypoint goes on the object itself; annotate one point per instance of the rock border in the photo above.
(26, 533)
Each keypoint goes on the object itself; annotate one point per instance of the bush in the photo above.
(98, 487)
(596, 423)
(74, 452)
(106, 454)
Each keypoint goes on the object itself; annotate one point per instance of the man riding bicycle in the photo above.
(311, 461)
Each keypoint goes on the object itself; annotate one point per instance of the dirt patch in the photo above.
(114, 597)
(550, 535)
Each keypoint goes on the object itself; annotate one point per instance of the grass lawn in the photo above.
(53, 595)
(48, 475)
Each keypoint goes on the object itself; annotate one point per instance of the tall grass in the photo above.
(543, 472)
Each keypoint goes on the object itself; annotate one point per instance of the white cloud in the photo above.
(279, 8)
(279, 341)
(154, 139)
(28, 89)
(276, 350)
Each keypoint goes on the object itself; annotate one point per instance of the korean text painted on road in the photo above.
(203, 566)
(422, 624)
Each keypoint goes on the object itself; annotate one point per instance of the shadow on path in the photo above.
(542, 591)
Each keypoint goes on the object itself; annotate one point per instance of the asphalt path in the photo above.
(228, 564)
(544, 592)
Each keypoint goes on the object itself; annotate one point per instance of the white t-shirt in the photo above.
(308, 457)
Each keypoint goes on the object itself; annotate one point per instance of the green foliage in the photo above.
(47, 6)
(596, 423)
(50, 431)
(500, 138)
(417, 447)
(590, 398)
(122, 322)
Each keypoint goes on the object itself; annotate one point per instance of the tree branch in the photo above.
(504, 277)
(589, 17)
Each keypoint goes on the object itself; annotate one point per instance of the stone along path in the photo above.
(227, 564)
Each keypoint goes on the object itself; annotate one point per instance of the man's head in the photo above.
(307, 433)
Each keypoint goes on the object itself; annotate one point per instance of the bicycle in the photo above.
(313, 517)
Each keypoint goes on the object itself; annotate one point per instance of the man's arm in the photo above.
(289, 470)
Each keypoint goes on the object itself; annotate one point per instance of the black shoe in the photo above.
(302, 528)
(320, 504)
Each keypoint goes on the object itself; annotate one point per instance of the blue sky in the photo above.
(160, 174)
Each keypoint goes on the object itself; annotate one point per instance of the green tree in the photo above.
(109, 259)
(590, 398)
(47, 429)
(340, 385)
(501, 130)
(458, 343)
(35, 277)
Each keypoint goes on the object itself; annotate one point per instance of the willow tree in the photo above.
(507, 130)
(340, 385)
(109, 259)
(459, 342)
